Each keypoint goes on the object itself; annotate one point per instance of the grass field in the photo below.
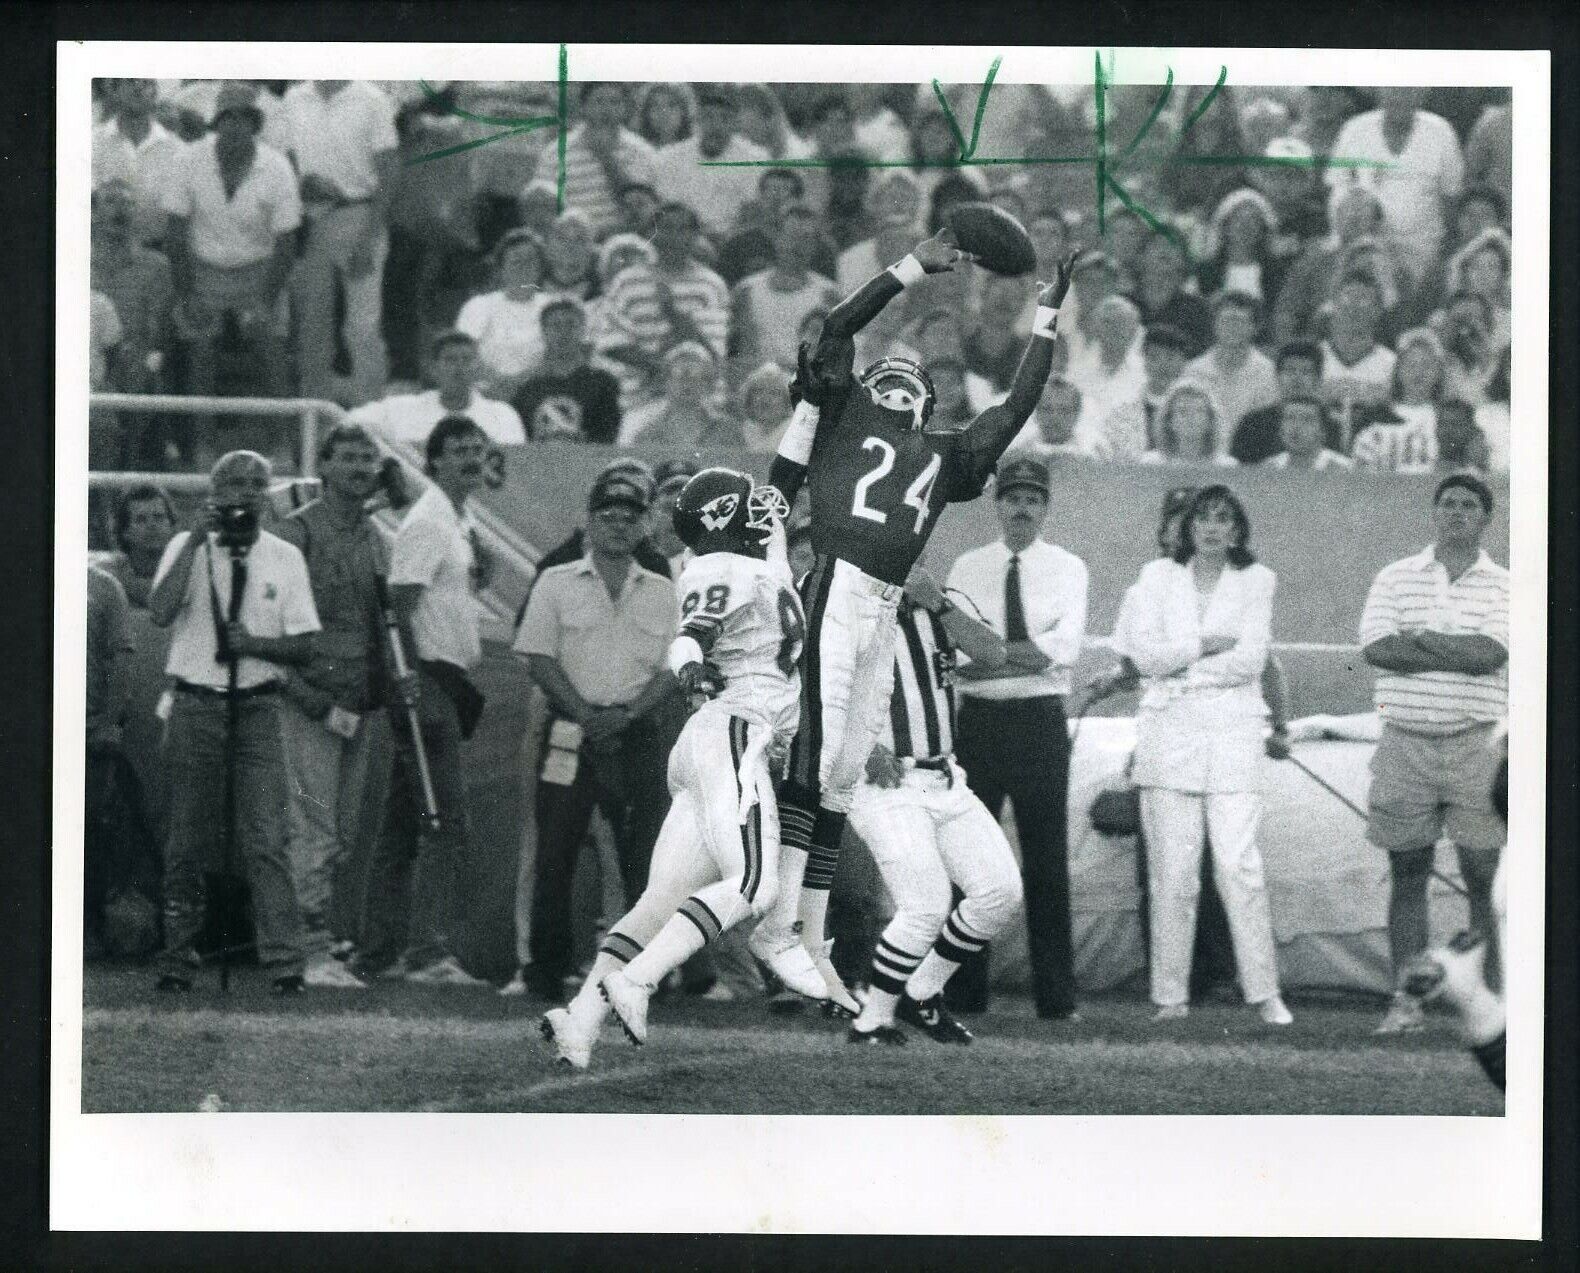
(403, 1048)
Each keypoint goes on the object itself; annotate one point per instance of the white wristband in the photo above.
(908, 271)
(1043, 324)
(683, 650)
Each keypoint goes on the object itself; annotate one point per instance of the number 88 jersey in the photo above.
(878, 484)
(744, 613)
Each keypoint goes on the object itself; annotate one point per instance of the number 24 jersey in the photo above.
(745, 615)
(878, 486)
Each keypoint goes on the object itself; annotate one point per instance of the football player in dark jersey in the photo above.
(879, 472)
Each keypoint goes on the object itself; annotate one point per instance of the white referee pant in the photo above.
(925, 835)
(721, 836)
(1174, 823)
(847, 675)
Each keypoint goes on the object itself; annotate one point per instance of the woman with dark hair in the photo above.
(1198, 626)
(666, 113)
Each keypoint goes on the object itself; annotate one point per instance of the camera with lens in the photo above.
(237, 525)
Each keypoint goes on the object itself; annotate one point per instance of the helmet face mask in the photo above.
(898, 384)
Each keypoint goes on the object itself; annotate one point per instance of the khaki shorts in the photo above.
(1425, 787)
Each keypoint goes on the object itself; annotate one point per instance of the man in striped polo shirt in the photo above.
(1436, 628)
(926, 830)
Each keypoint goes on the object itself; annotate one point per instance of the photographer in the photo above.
(232, 593)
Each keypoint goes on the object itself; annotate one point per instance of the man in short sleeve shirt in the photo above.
(203, 580)
(1436, 628)
(414, 873)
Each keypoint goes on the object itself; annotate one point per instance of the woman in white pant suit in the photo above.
(1197, 626)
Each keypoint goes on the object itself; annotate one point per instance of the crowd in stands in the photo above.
(1307, 308)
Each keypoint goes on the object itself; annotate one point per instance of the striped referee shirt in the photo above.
(1417, 593)
(922, 708)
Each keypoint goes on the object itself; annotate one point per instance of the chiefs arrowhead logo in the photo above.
(717, 513)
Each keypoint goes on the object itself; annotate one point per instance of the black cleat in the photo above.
(885, 1035)
(835, 1011)
(173, 983)
(933, 1019)
(293, 983)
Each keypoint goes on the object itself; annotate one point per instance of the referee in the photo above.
(1013, 740)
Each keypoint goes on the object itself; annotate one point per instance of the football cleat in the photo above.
(788, 960)
(883, 1035)
(933, 1019)
(629, 1002)
(571, 1046)
(840, 1000)
(1404, 1016)
(329, 973)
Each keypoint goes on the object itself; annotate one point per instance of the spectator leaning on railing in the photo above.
(1436, 628)
(1301, 423)
(411, 417)
(256, 608)
(569, 399)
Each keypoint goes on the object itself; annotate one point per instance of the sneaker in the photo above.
(293, 983)
(444, 972)
(788, 960)
(517, 985)
(572, 1048)
(343, 950)
(629, 1002)
(332, 975)
(173, 983)
(1274, 1012)
(932, 1019)
(1172, 1012)
(1404, 1016)
(884, 1035)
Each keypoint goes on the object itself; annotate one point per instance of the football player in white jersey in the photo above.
(717, 857)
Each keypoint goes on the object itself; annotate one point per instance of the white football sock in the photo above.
(931, 976)
(878, 1010)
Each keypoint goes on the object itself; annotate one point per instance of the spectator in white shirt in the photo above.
(506, 322)
(765, 408)
(410, 417)
(1423, 173)
(1129, 430)
(769, 306)
(761, 119)
(716, 193)
(132, 146)
(879, 131)
(1241, 377)
(1302, 423)
(1118, 374)
(1357, 370)
(341, 134)
(1055, 424)
(1190, 427)
(234, 210)
(570, 257)
(1401, 437)
(1198, 627)
(414, 874)
(1012, 740)
(685, 417)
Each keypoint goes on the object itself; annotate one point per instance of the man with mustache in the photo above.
(433, 576)
(324, 712)
(1013, 741)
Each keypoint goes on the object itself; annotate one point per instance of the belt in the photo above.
(871, 583)
(933, 764)
(219, 691)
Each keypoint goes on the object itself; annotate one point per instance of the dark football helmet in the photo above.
(901, 385)
(723, 510)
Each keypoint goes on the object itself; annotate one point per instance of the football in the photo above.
(997, 240)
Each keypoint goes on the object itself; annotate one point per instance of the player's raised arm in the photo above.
(825, 372)
(989, 435)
